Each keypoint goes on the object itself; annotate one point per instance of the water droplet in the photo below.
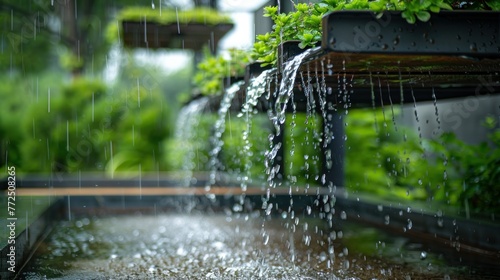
(473, 47)
(343, 215)
(346, 264)
(269, 209)
(266, 239)
(387, 219)
(323, 257)
(396, 41)
(440, 222)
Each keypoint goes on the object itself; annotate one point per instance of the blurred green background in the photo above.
(61, 112)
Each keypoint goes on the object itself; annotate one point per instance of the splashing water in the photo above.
(187, 122)
(278, 117)
(286, 87)
(255, 90)
(219, 128)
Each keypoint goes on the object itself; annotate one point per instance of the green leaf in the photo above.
(409, 16)
(444, 6)
(423, 16)
(425, 4)
(434, 9)
(493, 4)
(302, 7)
(270, 11)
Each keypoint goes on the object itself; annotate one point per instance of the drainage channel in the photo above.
(170, 231)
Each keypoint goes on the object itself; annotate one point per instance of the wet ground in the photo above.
(218, 246)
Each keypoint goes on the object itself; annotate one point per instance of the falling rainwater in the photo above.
(416, 115)
(93, 106)
(436, 112)
(178, 23)
(67, 135)
(48, 100)
(186, 126)
(219, 128)
(111, 155)
(254, 92)
(278, 115)
(138, 94)
(392, 107)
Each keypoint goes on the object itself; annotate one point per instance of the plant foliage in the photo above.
(209, 78)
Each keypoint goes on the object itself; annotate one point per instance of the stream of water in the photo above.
(187, 123)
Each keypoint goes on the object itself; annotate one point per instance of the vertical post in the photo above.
(333, 151)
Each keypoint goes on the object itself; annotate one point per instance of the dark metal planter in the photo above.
(455, 54)
(448, 33)
(194, 36)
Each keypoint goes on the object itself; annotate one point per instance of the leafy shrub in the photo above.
(475, 179)
(85, 127)
(211, 71)
(15, 96)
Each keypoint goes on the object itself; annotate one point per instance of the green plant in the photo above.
(304, 24)
(477, 170)
(15, 95)
(85, 126)
(411, 10)
(379, 160)
(210, 74)
(399, 164)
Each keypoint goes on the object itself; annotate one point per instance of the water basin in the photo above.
(233, 246)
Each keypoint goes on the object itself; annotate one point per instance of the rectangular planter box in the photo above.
(192, 36)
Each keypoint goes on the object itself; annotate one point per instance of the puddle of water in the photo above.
(173, 246)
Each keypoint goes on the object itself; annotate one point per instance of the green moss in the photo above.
(166, 16)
